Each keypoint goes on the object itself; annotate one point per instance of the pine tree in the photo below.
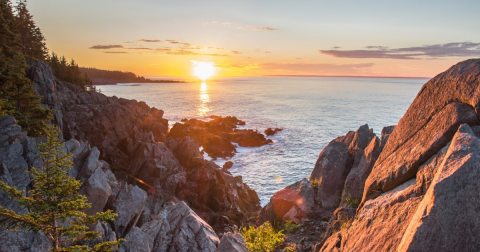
(54, 204)
(31, 37)
(17, 95)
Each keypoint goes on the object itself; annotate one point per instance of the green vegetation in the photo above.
(54, 203)
(314, 184)
(31, 38)
(263, 238)
(69, 72)
(17, 95)
(345, 224)
(351, 201)
(290, 226)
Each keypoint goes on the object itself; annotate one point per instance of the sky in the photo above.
(406, 38)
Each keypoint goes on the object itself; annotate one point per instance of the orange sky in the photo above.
(251, 38)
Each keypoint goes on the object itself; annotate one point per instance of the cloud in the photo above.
(107, 47)
(317, 69)
(249, 28)
(172, 41)
(138, 48)
(268, 52)
(242, 27)
(236, 52)
(149, 41)
(181, 51)
(457, 49)
(116, 52)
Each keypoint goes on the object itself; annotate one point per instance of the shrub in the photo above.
(290, 226)
(351, 201)
(263, 238)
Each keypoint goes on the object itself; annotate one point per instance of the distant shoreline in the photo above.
(349, 76)
(130, 82)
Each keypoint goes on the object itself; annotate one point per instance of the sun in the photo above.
(203, 70)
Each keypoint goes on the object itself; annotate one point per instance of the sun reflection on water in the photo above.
(203, 108)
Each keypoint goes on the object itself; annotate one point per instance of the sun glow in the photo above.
(203, 70)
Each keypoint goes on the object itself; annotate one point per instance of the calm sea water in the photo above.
(311, 110)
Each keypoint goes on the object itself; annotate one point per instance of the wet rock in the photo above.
(216, 136)
(232, 243)
(227, 165)
(271, 132)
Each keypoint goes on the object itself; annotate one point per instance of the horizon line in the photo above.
(347, 76)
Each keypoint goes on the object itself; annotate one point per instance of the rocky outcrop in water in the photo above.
(218, 135)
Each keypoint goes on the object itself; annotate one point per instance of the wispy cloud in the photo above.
(107, 47)
(115, 52)
(242, 27)
(457, 49)
(181, 51)
(172, 41)
(149, 41)
(268, 52)
(249, 28)
(236, 52)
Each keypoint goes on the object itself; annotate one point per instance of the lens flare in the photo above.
(203, 70)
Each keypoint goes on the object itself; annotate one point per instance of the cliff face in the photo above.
(414, 189)
(163, 190)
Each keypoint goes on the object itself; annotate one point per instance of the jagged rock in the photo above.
(128, 204)
(386, 132)
(380, 223)
(329, 173)
(294, 202)
(361, 139)
(153, 163)
(271, 132)
(175, 228)
(443, 103)
(364, 161)
(90, 164)
(232, 243)
(227, 165)
(97, 190)
(9, 130)
(447, 218)
(89, 116)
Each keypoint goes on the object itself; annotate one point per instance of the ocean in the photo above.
(311, 111)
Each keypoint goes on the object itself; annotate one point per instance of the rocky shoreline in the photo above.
(413, 188)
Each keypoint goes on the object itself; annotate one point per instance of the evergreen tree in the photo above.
(69, 72)
(31, 37)
(17, 95)
(55, 205)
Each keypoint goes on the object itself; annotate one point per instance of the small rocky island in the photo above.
(413, 188)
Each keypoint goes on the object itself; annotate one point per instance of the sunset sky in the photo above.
(250, 38)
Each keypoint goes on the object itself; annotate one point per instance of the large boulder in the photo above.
(447, 218)
(330, 172)
(443, 103)
(295, 202)
(128, 203)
